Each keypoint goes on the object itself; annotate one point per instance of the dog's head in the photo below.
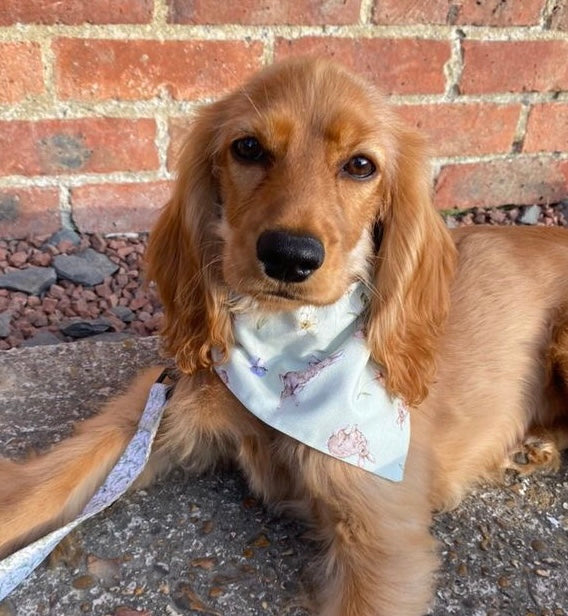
(289, 190)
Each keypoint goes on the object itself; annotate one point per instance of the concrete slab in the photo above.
(206, 546)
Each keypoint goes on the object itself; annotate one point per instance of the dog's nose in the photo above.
(288, 257)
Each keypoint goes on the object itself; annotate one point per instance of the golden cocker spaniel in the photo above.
(290, 190)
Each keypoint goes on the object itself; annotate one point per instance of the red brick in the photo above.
(559, 16)
(141, 69)
(75, 11)
(514, 66)
(466, 129)
(547, 128)
(466, 12)
(260, 12)
(498, 12)
(26, 211)
(118, 208)
(21, 72)
(401, 66)
(90, 145)
(520, 181)
(411, 12)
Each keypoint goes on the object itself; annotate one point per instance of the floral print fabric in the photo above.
(309, 374)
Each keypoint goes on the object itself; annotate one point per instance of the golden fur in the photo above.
(471, 328)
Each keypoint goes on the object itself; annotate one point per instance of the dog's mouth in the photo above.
(284, 294)
(280, 298)
(286, 297)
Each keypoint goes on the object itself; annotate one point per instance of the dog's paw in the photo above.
(537, 453)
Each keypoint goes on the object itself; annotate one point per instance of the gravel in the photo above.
(66, 286)
(96, 289)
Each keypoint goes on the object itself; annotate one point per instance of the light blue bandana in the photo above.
(309, 374)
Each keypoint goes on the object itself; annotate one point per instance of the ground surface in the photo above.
(190, 546)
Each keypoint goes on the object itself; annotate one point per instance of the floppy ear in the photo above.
(413, 272)
(183, 254)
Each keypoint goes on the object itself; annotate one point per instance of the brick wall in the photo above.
(94, 95)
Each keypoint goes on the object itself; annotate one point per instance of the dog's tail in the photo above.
(49, 490)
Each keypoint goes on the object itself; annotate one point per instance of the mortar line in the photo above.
(176, 32)
(160, 14)
(267, 56)
(65, 208)
(498, 98)
(47, 60)
(162, 142)
(74, 181)
(521, 129)
(454, 66)
(366, 12)
(546, 14)
(500, 156)
(163, 104)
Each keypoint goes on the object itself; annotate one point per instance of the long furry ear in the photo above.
(413, 273)
(183, 254)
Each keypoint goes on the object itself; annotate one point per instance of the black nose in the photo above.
(289, 257)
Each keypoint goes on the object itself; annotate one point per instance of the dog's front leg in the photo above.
(204, 424)
(379, 554)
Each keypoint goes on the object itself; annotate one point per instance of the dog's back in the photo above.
(503, 359)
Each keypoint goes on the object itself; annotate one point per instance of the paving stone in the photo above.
(5, 318)
(83, 328)
(88, 267)
(124, 313)
(530, 215)
(64, 235)
(32, 280)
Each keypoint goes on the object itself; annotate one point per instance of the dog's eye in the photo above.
(248, 149)
(359, 168)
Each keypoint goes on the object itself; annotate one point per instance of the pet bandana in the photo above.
(16, 567)
(309, 374)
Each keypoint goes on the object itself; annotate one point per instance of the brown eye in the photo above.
(248, 150)
(359, 168)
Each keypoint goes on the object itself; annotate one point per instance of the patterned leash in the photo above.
(16, 567)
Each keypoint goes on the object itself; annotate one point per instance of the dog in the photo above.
(291, 190)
